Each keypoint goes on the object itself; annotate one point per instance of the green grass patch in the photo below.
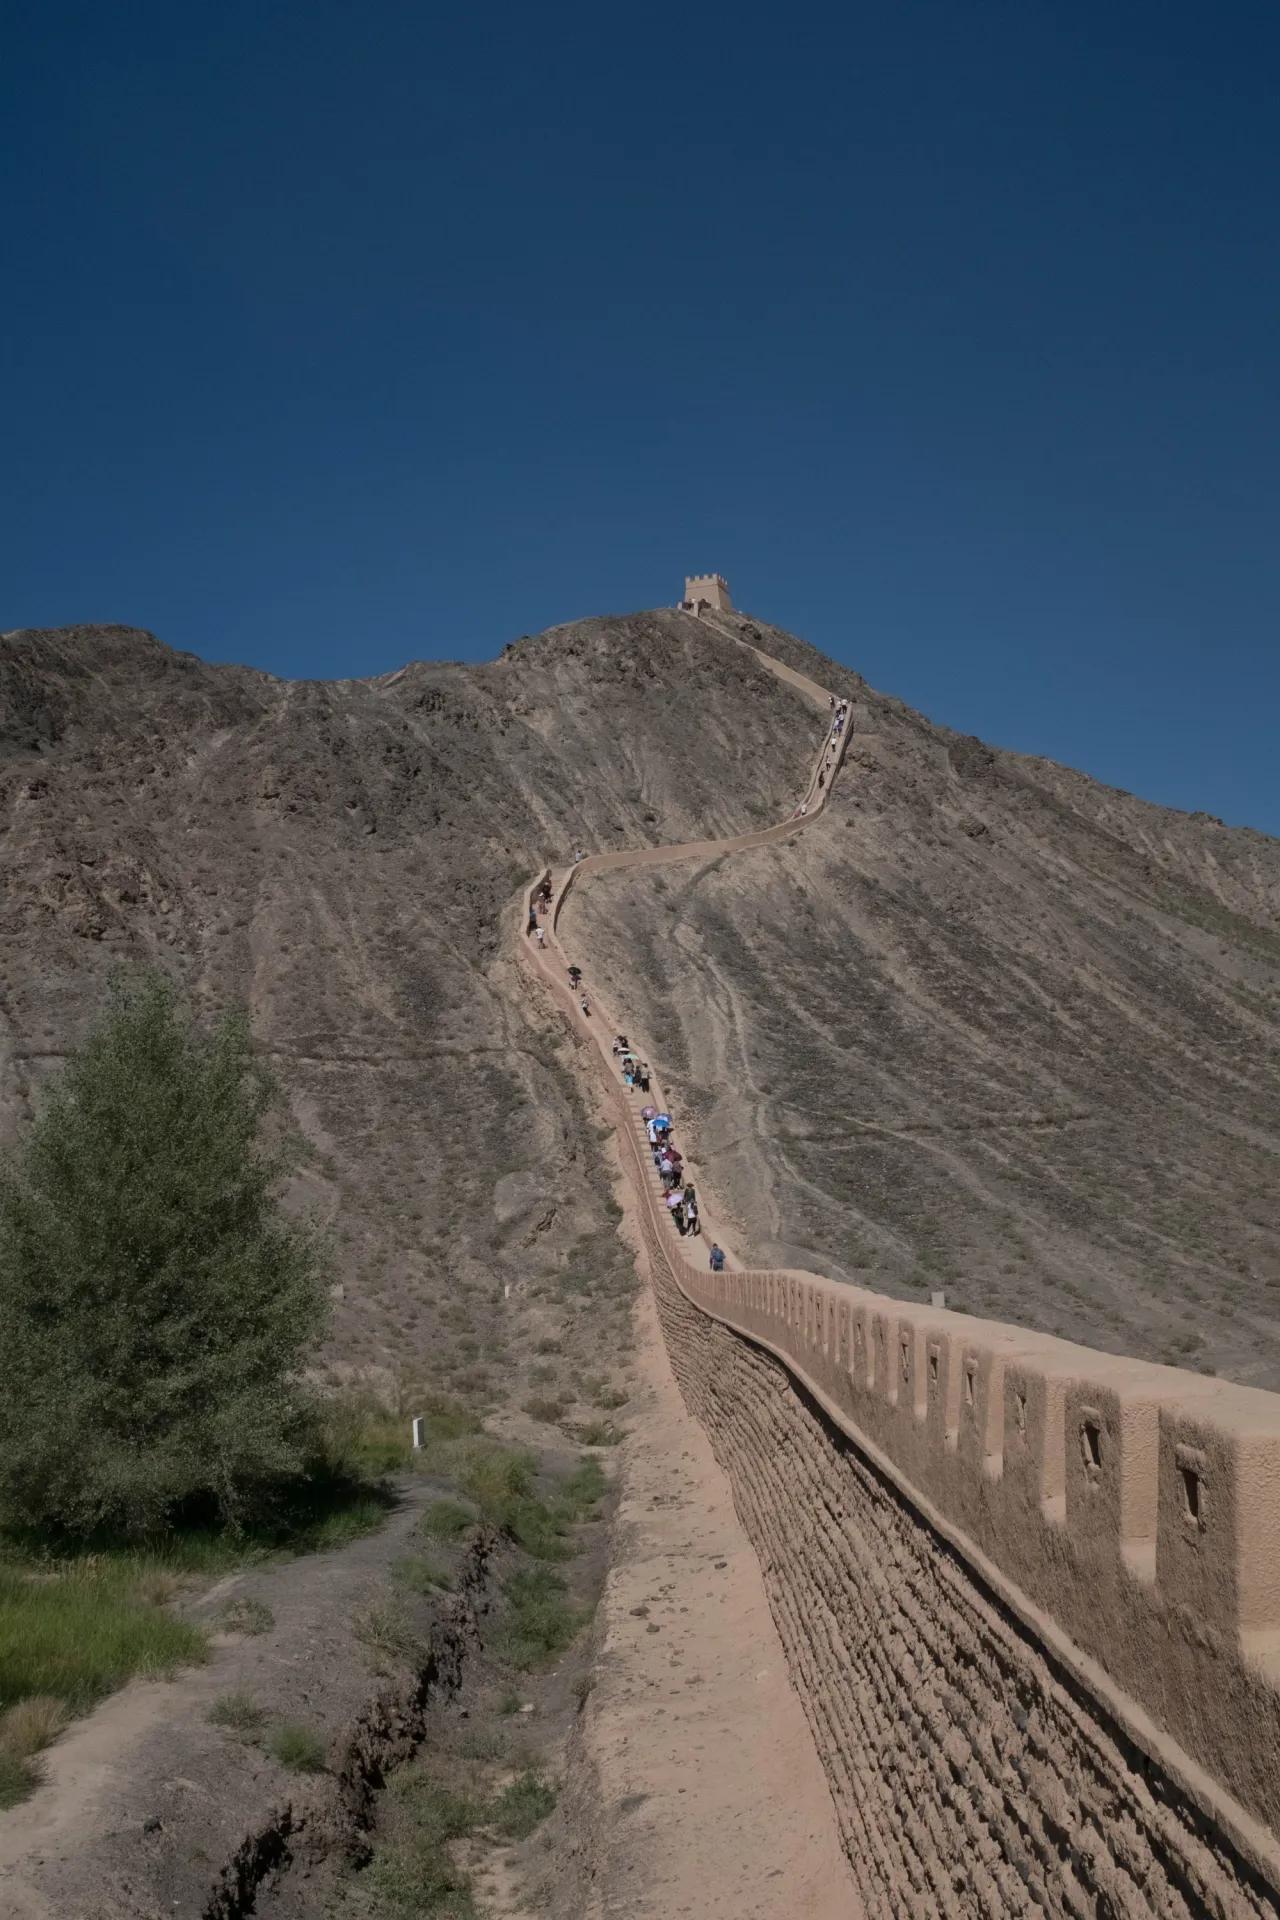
(585, 1488)
(504, 1484)
(446, 1520)
(365, 1437)
(415, 1874)
(539, 1620)
(79, 1629)
(297, 1747)
(420, 1573)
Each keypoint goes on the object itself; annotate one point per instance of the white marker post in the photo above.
(938, 1298)
(419, 1430)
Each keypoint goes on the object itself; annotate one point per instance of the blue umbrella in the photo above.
(662, 1119)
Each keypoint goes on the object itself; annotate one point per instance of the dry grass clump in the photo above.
(26, 1729)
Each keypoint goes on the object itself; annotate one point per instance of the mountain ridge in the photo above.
(340, 853)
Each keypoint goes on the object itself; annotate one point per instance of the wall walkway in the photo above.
(1120, 1520)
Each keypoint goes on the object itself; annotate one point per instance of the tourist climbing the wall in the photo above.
(691, 1208)
(716, 1262)
(541, 937)
(575, 977)
(533, 923)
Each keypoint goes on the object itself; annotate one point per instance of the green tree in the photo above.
(155, 1305)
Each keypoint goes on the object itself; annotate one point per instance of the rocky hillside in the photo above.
(344, 857)
(985, 1025)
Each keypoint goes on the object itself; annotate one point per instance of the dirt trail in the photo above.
(710, 1786)
(711, 1790)
(552, 963)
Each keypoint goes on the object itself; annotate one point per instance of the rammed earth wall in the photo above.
(970, 1773)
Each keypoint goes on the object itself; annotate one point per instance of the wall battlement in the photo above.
(1137, 1505)
(707, 589)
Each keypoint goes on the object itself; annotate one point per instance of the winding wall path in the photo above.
(1119, 1521)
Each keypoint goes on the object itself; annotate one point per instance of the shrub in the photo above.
(539, 1619)
(386, 1630)
(298, 1748)
(18, 1778)
(25, 1730)
(497, 1479)
(421, 1574)
(155, 1307)
(543, 1408)
(522, 1805)
(237, 1712)
(585, 1487)
(31, 1725)
(415, 1875)
(446, 1520)
(247, 1616)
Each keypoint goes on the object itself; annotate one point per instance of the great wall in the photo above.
(1029, 1592)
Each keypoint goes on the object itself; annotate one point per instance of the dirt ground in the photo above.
(706, 1785)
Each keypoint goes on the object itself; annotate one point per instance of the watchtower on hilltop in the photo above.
(706, 590)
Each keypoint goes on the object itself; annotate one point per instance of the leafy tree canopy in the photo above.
(156, 1306)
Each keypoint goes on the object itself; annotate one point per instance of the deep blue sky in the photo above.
(333, 335)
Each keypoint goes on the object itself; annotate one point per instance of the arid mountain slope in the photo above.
(984, 1025)
(341, 856)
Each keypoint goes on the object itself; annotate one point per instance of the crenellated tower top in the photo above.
(706, 590)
